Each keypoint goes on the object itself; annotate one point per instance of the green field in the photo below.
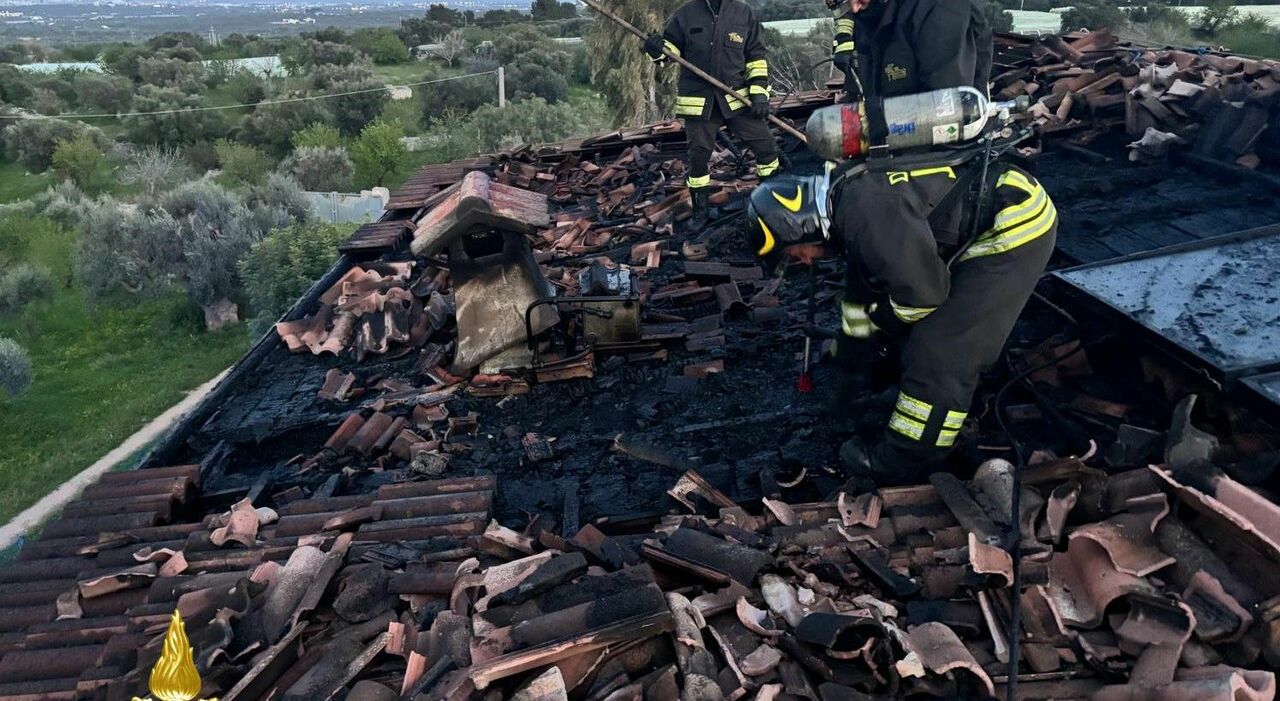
(101, 372)
(17, 184)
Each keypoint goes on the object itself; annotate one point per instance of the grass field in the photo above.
(17, 184)
(101, 373)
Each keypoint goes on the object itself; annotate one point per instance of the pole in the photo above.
(502, 86)
(595, 5)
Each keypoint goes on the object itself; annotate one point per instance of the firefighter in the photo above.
(928, 263)
(723, 38)
(844, 51)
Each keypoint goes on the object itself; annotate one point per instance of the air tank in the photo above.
(919, 121)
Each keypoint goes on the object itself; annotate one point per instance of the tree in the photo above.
(170, 116)
(455, 96)
(47, 102)
(448, 47)
(172, 73)
(126, 250)
(247, 88)
(792, 57)
(323, 169)
(282, 267)
(317, 135)
(23, 284)
(1217, 15)
(123, 60)
(1094, 15)
(15, 368)
(15, 85)
(1001, 20)
(305, 54)
(552, 10)
(154, 168)
(240, 162)
(532, 80)
(387, 49)
(78, 159)
(378, 153)
(272, 126)
(278, 202)
(420, 30)
(635, 91)
(445, 14)
(31, 142)
(103, 92)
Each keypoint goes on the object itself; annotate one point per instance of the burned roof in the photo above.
(388, 499)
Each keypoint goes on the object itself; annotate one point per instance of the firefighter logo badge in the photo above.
(895, 72)
(736, 38)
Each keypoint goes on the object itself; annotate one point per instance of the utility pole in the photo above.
(502, 86)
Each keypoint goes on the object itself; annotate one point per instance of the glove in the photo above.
(843, 61)
(653, 46)
(759, 106)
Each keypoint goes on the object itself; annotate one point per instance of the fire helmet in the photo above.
(787, 211)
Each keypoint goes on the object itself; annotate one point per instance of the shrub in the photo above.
(277, 203)
(15, 368)
(387, 50)
(47, 102)
(186, 126)
(533, 80)
(456, 96)
(63, 203)
(78, 160)
(127, 250)
(104, 92)
(378, 153)
(215, 229)
(154, 168)
(323, 169)
(305, 54)
(1094, 14)
(241, 163)
(31, 142)
(272, 126)
(23, 284)
(317, 135)
(247, 88)
(172, 73)
(281, 267)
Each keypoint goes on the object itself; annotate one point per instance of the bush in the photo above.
(241, 163)
(456, 96)
(129, 250)
(15, 369)
(305, 54)
(173, 128)
(277, 203)
(63, 203)
(533, 80)
(284, 265)
(247, 88)
(78, 160)
(31, 142)
(47, 102)
(325, 169)
(1094, 15)
(103, 92)
(154, 168)
(272, 126)
(172, 73)
(387, 50)
(23, 284)
(378, 153)
(15, 85)
(493, 128)
(317, 135)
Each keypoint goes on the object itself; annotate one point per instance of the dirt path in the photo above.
(52, 503)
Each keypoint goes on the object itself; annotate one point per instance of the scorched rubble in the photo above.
(639, 506)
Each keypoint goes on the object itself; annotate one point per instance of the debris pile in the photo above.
(1215, 106)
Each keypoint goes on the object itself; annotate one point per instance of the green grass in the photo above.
(17, 184)
(101, 372)
(411, 72)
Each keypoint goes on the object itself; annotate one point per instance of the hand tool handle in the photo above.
(593, 4)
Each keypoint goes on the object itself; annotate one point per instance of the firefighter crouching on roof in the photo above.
(916, 269)
(723, 38)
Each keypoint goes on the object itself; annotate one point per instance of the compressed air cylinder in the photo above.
(918, 121)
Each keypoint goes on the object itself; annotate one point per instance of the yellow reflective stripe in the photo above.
(855, 321)
(1013, 178)
(767, 169)
(844, 47)
(844, 26)
(758, 69)
(704, 181)
(734, 103)
(671, 47)
(690, 106)
(897, 177)
(916, 409)
(1018, 214)
(907, 427)
(911, 315)
(946, 439)
(1005, 241)
(955, 420)
(925, 172)
(758, 90)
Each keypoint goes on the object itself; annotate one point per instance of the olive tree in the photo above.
(320, 169)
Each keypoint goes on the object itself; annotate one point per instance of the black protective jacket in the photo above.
(914, 46)
(725, 43)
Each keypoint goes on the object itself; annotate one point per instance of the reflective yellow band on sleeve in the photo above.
(844, 26)
(914, 408)
(947, 438)
(1022, 223)
(764, 170)
(911, 315)
(844, 47)
(690, 106)
(908, 427)
(955, 420)
(672, 48)
(758, 90)
(734, 103)
(695, 183)
(757, 69)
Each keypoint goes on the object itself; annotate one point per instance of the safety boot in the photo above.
(856, 459)
(701, 207)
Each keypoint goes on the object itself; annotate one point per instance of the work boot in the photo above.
(701, 207)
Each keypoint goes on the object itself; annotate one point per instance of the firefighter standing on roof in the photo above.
(723, 38)
(915, 271)
(844, 47)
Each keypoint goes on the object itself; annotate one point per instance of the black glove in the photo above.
(653, 46)
(759, 106)
(843, 61)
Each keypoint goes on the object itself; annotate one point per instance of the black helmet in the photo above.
(786, 211)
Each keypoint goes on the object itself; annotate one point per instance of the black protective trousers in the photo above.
(755, 133)
(983, 293)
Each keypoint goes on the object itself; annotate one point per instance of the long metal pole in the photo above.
(719, 85)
